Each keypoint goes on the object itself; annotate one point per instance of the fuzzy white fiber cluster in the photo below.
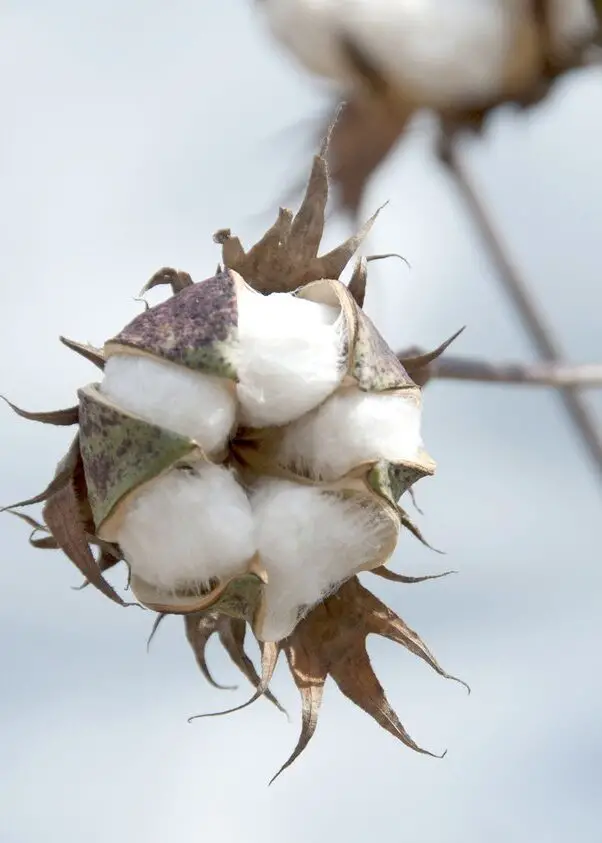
(289, 356)
(191, 403)
(352, 427)
(309, 541)
(188, 527)
(446, 51)
(191, 526)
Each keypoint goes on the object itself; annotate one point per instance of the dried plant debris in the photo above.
(244, 456)
(460, 60)
(331, 641)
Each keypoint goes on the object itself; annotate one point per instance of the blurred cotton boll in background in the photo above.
(459, 58)
(443, 52)
(458, 53)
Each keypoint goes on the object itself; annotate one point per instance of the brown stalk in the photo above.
(556, 375)
(515, 287)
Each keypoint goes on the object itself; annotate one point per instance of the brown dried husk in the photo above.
(331, 642)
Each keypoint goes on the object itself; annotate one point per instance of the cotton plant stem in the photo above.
(537, 374)
(525, 306)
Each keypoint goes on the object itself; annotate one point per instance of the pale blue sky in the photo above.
(132, 131)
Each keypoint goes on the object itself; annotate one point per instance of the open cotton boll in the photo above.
(193, 404)
(450, 53)
(447, 51)
(188, 527)
(309, 542)
(290, 356)
(352, 427)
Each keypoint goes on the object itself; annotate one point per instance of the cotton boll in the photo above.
(290, 356)
(188, 527)
(447, 52)
(193, 404)
(309, 29)
(352, 427)
(309, 541)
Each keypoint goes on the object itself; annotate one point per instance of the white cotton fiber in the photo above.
(290, 356)
(309, 541)
(200, 406)
(188, 527)
(448, 52)
(352, 427)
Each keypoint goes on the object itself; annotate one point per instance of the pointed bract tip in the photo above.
(167, 275)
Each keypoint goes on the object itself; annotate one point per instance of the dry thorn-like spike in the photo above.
(176, 278)
(109, 557)
(383, 621)
(412, 494)
(334, 262)
(199, 629)
(357, 282)
(36, 526)
(331, 641)
(156, 624)
(407, 522)
(60, 418)
(330, 130)
(286, 257)
(371, 258)
(232, 633)
(56, 484)
(308, 224)
(233, 254)
(61, 514)
(89, 352)
(309, 676)
(45, 543)
(62, 477)
(386, 574)
(358, 682)
(143, 301)
(420, 361)
(269, 658)
(267, 250)
(277, 233)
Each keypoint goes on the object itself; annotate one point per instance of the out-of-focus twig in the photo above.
(556, 375)
(515, 288)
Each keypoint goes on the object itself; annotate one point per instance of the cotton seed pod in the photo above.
(244, 455)
(284, 354)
